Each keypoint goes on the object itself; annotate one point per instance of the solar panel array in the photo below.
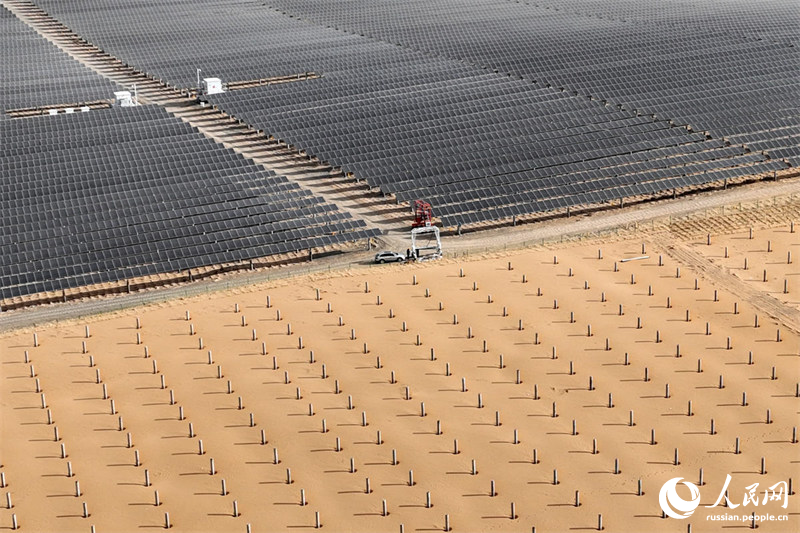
(487, 149)
(116, 194)
(776, 20)
(35, 73)
(231, 41)
(425, 100)
(728, 67)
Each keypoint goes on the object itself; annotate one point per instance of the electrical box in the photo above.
(124, 99)
(212, 86)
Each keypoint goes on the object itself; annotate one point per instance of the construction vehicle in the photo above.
(425, 241)
(423, 213)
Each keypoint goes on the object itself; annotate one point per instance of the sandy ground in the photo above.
(569, 312)
(772, 261)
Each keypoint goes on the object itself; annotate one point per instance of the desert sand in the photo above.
(475, 353)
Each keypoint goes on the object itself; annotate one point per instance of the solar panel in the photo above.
(34, 73)
(488, 109)
(119, 206)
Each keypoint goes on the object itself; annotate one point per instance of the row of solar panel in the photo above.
(103, 255)
(87, 193)
(485, 214)
(767, 19)
(149, 118)
(71, 276)
(296, 214)
(154, 205)
(576, 188)
(310, 211)
(612, 165)
(67, 140)
(562, 179)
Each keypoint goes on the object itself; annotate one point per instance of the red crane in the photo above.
(423, 213)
